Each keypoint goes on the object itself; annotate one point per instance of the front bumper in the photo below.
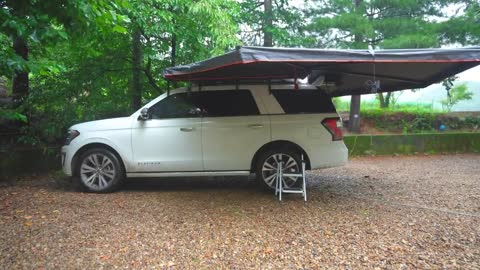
(66, 160)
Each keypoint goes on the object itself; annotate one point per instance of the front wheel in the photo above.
(267, 164)
(99, 170)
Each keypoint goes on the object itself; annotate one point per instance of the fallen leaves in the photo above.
(230, 225)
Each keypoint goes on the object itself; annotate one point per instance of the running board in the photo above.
(188, 174)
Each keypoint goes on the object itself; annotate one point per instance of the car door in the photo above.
(171, 140)
(232, 129)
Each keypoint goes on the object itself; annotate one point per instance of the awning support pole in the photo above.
(375, 86)
(295, 83)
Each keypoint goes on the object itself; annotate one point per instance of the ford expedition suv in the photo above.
(217, 130)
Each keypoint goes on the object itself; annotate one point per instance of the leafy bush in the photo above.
(456, 94)
(418, 121)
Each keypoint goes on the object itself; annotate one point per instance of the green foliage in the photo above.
(390, 24)
(412, 144)
(418, 121)
(395, 24)
(373, 105)
(455, 95)
(41, 23)
(287, 29)
(9, 115)
(80, 54)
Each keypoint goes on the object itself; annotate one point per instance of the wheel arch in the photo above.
(276, 145)
(89, 146)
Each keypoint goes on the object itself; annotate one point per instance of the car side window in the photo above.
(182, 105)
(227, 103)
(304, 101)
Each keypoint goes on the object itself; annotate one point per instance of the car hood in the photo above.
(105, 124)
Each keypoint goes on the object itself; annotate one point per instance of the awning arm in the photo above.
(383, 76)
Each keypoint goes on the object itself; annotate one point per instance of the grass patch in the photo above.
(413, 143)
(374, 105)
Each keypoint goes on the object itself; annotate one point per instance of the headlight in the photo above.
(72, 134)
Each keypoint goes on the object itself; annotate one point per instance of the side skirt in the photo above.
(183, 174)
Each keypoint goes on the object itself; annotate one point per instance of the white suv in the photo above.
(208, 131)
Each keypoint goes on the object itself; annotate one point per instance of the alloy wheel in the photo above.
(97, 171)
(270, 166)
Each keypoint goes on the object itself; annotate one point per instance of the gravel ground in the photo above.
(376, 212)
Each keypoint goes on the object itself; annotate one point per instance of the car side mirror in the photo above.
(144, 115)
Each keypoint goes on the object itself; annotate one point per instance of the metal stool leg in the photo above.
(279, 184)
(280, 180)
(304, 181)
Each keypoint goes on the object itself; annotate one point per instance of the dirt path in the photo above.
(385, 212)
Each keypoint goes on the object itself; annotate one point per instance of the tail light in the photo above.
(333, 126)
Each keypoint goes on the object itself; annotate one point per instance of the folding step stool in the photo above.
(280, 186)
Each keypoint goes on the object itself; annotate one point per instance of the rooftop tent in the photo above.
(338, 72)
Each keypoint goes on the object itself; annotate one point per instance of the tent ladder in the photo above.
(280, 186)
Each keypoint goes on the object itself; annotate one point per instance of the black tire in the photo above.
(264, 176)
(98, 179)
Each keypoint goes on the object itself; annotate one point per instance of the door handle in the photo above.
(186, 129)
(255, 126)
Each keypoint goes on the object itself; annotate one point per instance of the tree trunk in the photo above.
(384, 100)
(354, 119)
(20, 80)
(268, 24)
(388, 98)
(136, 85)
(174, 55)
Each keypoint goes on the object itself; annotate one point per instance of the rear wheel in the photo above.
(99, 170)
(267, 164)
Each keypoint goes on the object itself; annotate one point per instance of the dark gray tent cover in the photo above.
(339, 72)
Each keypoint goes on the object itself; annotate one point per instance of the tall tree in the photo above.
(268, 24)
(25, 21)
(136, 85)
(271, 23)
(105, 57)
(181, 31)
(20, 79)
(385, 24)
(354, 117)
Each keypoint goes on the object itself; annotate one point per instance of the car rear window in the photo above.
(227, 103)
(304, 101)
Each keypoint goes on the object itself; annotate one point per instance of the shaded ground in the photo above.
(385, 212)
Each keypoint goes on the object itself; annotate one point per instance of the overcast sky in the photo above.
(472, 74)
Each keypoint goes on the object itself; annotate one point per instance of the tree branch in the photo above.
(148, 73)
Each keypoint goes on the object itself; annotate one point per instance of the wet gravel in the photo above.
(376, 212)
